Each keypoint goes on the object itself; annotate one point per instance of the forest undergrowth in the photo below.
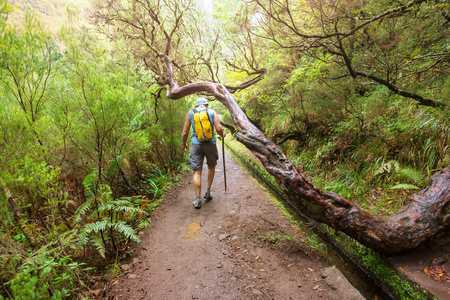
(86, 153)
(376, 151)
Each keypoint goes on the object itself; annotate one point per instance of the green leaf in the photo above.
(405, 187)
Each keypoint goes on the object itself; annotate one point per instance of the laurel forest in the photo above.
(344, 103)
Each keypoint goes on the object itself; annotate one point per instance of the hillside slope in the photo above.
(51, 12)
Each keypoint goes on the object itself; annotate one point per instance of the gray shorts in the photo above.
(198, 153)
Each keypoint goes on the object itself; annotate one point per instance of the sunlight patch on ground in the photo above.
(191, 232)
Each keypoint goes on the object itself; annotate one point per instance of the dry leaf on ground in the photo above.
(437, 273)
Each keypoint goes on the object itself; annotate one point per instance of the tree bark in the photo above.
(229, 127)
(426, 214)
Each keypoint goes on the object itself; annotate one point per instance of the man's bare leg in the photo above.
(197, 182)
(211, 172)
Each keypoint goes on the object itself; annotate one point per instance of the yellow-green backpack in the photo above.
(202, 125)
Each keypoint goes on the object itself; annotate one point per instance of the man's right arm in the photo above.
(217, 125)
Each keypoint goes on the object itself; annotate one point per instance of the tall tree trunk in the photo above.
(426, 214)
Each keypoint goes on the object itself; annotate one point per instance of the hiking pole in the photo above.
(223, 158)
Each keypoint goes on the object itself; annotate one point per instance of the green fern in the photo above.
(405, 187)
(413, 175)
(389, 167)
(81, 210)
(90, 184)
(94, 227)
(123, 205)
(115, 220)
(99, 245)
(126, 230)
(114, 166)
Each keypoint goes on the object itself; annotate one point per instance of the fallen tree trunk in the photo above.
(426, 214)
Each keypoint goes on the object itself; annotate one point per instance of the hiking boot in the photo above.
(208, 196)
(197, 203)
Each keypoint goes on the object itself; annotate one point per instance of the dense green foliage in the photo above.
(87, 148)
(351, 134)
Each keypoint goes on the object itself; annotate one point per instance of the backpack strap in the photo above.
(210, 122)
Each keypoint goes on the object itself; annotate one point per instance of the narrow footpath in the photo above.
(237, 246)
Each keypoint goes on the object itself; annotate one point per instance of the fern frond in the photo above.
(95, 227)
(391, 166)
(101, 207)
(414, 175)
(121, 203)
(82, 209)
(105, 193)
(405, 187)
(126, 230)
(114, 166)
(99, 245)
(89, 184)
(122, 207)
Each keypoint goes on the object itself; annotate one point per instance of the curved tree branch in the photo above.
(285, 136)
(233, 89)
(229, 127)
(426, 214)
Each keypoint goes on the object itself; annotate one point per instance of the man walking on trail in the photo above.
(203, 144)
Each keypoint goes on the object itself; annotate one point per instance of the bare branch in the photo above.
(397, 90)
(245, 84)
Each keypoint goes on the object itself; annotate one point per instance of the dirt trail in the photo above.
(221, 251)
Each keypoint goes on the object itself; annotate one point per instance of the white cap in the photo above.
(201, 101)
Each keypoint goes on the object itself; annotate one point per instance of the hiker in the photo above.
(203, 121)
